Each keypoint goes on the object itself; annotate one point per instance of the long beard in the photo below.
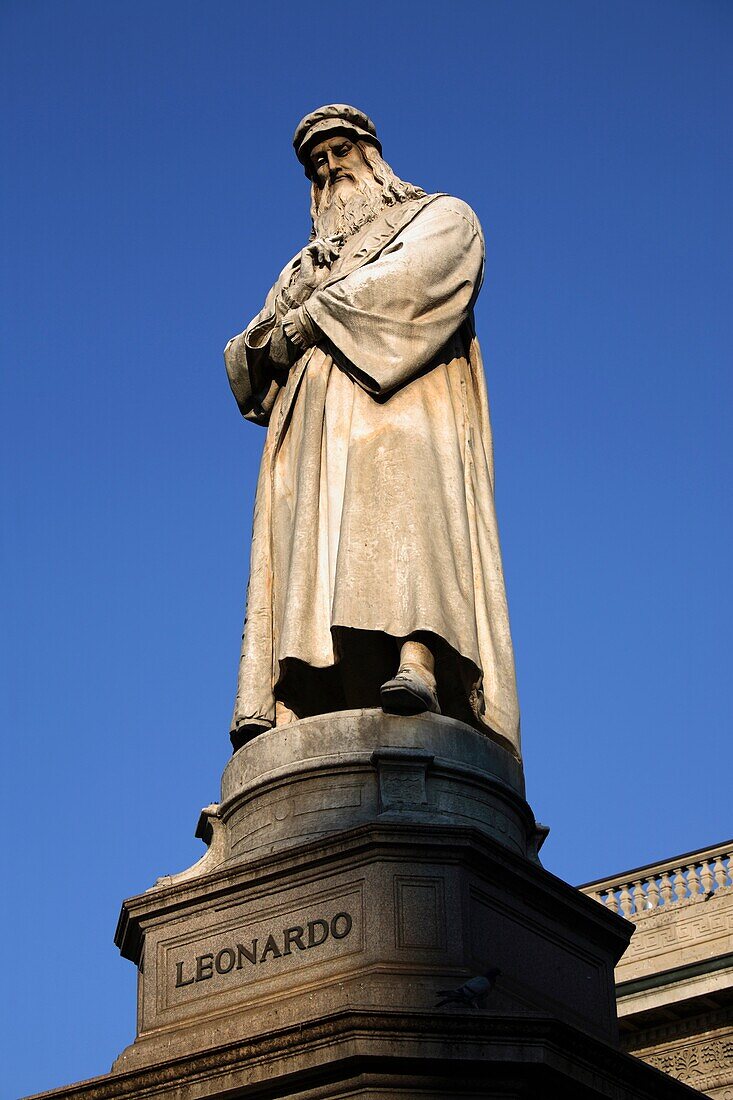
(347, 214)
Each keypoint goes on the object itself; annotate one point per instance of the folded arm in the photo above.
(258, 359)
(391, 317)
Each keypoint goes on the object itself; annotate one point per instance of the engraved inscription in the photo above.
(259, 949)
(241, 953)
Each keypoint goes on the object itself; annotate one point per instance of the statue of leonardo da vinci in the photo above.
(375, 574)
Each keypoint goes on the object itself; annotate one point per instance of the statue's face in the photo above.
(339, 162)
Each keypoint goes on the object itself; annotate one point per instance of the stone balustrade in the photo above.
(692, 877)
(674, 983)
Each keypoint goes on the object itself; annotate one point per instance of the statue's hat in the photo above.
(333, 118)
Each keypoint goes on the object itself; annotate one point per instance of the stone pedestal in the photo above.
(358, 864)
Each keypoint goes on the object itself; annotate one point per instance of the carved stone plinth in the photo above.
(359, 864)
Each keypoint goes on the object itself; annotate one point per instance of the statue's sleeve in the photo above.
(255, 381)
(391, 317)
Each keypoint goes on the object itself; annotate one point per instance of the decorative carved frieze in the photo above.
(705, 1065)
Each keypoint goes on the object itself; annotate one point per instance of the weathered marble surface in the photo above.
(363, 861)
(374, 521)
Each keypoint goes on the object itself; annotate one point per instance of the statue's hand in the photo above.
(315, 264)
(317, 257)
(293, 333)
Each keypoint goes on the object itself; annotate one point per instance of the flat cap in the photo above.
(333, 118)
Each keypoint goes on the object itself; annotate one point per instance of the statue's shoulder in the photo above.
(451, 207)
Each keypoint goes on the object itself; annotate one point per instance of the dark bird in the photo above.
(471, 992)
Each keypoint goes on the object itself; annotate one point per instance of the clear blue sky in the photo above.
(149, 197)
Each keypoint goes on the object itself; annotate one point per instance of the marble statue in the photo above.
(375, 573)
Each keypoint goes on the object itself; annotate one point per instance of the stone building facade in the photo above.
(674, 984)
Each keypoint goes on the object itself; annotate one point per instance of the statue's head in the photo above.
(350, 182)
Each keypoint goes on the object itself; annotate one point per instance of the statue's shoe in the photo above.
(246, 731)
(408, 693)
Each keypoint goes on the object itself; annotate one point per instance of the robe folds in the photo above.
(375, 501)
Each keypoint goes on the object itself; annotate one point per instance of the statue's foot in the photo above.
(410, 692)
(245, 731)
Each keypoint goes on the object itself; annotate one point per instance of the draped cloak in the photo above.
(375, 501)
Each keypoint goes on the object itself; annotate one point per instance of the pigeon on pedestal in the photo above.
(471, 992)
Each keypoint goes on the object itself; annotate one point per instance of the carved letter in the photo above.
(346, 923)
(270, 948)
(204, 967)
(248, 953)
(179, 977)
(218, 963)
(312, 941)
(293, 936)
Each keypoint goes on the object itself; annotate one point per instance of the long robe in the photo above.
(375, 501)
